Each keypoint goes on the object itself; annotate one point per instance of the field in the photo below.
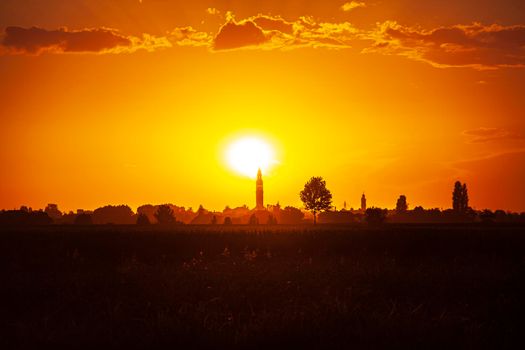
(394, 286)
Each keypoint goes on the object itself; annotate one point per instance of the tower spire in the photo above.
(259, 201)
(363, 202)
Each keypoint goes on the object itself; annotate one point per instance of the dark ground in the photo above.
(397, 286)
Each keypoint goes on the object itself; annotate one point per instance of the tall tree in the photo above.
(460, 198)
(315, 196)
(456, 197)
(401, 205)
(464, 198)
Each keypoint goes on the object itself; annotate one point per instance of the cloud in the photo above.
(476, 45)
(352, 5)
(233, 35)
(212, 11)
(274, 32)
(274, 23)
(484, 135)
(35, 41)
(187, 36)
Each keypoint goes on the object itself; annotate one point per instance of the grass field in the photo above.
(395, 286)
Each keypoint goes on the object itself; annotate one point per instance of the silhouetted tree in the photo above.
(110, 214)
(460, 198)
(24, 218)
(500, 215)
(271, 220)
(53, 212)
(401, 205)
(227, 221)
(375, 215)
(143, 220)
(315, 196)
(291, 215)
(148, 210)
(336, 217)
(164, 214)
(83, 219)
(487, 216)
(254, 220)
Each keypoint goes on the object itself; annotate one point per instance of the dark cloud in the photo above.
(233, 35)
(274, 32)
(36, 40)
(260, 32)
(99, 40)
(476, 45)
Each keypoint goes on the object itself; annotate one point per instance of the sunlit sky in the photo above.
(135, 102)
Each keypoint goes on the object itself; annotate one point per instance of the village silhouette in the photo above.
(318, 208)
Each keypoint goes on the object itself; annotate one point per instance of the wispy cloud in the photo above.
(352, 5)
(484, 135)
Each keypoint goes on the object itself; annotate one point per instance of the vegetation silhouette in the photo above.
(391, 286)
(84, 219)
(315, 196)
(375, 216)
(143, 220)
(53, 212)
(460, 198)
(253, 220)
(401, 205)
(291, 216)
(271, 220)
(119, 215)
(164, 215)
(24, 217)
(270, 215)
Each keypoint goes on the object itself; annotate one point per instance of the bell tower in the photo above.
(259, 191)
(363, 202)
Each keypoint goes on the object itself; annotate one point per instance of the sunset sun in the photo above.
(246, 155)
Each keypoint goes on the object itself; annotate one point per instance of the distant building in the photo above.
(259, 201)
(363, 202)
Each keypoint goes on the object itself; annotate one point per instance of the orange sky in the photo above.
(129, 102)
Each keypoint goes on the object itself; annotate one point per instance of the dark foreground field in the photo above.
(334, 287)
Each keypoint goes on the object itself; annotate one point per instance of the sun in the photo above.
(247, 154)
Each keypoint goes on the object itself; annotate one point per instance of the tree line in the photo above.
(316, 197)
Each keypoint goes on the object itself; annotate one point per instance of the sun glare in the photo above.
(248, 154)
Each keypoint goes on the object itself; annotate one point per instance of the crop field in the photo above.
(391, 286)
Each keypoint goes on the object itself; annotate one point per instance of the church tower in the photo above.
(259, 191)
(363, 202)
